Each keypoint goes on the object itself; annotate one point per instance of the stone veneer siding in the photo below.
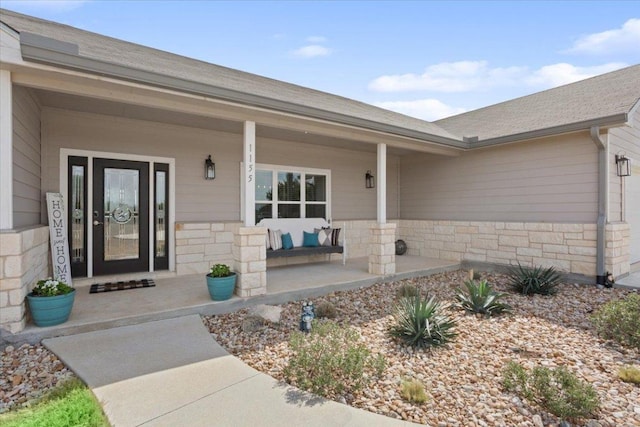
(250, 261)
(568, 247)
(24, 259)
(200, 245)
(382, 255)
(618, 248)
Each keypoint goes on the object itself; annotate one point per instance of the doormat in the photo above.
(121, 286)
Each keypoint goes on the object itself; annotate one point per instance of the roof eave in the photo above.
(608, 121)
(44, 50)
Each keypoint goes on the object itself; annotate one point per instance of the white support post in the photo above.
(382, 184)
(6, 151)
(249, 173)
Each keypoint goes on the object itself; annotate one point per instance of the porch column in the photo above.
(382, 248)
(250, 261)
(382, 184)
(249, 162)
(6, 151)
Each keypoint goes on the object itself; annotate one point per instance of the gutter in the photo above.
(602, 276)
(614, 119)
(48, 51)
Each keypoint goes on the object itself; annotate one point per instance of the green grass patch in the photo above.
(69, 405)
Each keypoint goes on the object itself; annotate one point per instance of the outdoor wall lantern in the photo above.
(622, 164)
(369, 180)
(209, 168)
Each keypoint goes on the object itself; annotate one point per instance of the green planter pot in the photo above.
(50, 311)
(221, 288)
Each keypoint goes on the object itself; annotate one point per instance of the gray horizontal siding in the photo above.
(26, 158)
(550, 180)
(623, 140)
(196, 199)
(217, 200)
(350, 199)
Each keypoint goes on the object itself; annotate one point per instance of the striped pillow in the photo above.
(275, 239)
(328, 236)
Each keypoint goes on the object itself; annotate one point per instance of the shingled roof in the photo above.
(598, 97)
(134, 56)
(601, 100)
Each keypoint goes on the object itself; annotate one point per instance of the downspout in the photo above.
(602, 276)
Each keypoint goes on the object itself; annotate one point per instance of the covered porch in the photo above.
(184, 295)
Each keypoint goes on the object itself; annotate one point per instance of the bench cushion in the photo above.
(303, 251)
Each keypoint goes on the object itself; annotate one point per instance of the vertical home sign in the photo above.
(58, 238)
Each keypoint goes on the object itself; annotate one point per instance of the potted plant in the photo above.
(221, 282)
(50, 302)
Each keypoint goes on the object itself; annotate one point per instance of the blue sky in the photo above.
(426, 59)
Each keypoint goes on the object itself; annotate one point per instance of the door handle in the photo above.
(96, 214)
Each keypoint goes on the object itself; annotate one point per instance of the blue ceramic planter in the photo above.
(221, 288)
(50, 311)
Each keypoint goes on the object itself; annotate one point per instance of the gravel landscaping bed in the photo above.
(26, 373)
(462, 380)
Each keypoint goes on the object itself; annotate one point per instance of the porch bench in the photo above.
(296, 227)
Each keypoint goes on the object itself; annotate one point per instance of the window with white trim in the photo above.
(287, 192)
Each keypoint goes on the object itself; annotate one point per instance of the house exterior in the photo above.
(123, 131)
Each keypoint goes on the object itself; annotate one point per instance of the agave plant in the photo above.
(535, 280)
(480, 298)
(422, 323)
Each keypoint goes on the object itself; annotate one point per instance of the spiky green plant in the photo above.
(422, 323)
(479, 297)
(534, 280)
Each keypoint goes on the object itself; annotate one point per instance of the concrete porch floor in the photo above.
(185, 295)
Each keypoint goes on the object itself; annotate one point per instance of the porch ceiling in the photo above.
(87, 104)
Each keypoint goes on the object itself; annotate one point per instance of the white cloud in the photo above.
(475, 76)
(461, 76)
(316, 39)
(54, 5)
(426, 109)
(563, 73)
(623, 39)
(312, 51)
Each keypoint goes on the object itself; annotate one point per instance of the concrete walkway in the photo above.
(172, 373)
(632, 281)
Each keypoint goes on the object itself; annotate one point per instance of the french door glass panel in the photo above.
(121, 214)
(77, 214)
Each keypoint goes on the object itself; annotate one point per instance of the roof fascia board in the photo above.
(616, 119)
(52, 52)
(633, 110)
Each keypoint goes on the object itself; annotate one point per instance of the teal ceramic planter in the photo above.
(50, 311)
(221, 288)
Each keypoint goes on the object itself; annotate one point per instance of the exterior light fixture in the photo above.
(209, 168)
(369, 180)
(622, 165)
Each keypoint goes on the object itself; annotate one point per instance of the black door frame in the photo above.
(141, 264)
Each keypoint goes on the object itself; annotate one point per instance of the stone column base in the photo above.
(250, 261)
(382, 252)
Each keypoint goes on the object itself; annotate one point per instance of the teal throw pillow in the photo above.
(287, 241)
(310, 240)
